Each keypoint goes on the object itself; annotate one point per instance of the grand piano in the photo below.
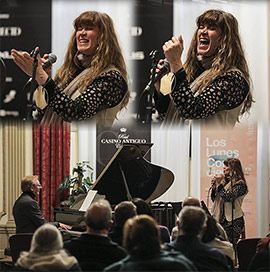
(128, 175)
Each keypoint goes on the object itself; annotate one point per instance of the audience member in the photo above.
(263, 244)
(122, 212)
(193, 201)
(210, 238)
(26, 211)
(47, 253)
(144, 208)
(142, 241)
(94, 249)
(261, 260)
(188, 201)
(192, 224)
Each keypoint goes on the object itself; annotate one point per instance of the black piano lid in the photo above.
(129, 175)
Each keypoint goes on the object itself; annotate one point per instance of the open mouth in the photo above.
(204, 42)
(83, 41)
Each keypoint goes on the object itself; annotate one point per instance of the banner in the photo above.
(108, 141)
(119, 175)
(241, 143)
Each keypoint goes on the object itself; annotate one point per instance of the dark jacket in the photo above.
(117, 235)
(27, 214)
(164, 261)
(94, 252)
(205, 258)
(260, 261)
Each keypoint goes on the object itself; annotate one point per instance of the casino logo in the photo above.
(123, 138)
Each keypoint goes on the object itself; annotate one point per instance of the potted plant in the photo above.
(77, 183)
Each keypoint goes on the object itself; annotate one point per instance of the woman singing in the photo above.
(228, 192)
(213, 85)
(93, 79)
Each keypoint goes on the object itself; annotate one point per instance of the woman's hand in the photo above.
(25, 62)
(44, 61)
(218, 178)
(173, 50)
(213, 183)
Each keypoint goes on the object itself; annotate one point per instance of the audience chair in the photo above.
(19, 242)
(245, 250)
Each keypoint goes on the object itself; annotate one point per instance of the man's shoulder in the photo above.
(90, 239)
(174, 255)
(24, 200)
(179, 242)
(25, 197)
(215, 252)
(87, 243)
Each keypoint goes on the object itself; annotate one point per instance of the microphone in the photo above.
(51, 59)
(165, 69)
(213, 184)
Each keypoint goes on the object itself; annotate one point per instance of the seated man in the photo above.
(26, 211)
(193, 201)
(191, 225)
(94, 250)
(142, 241)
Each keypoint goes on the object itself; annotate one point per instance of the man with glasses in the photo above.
(26, 211)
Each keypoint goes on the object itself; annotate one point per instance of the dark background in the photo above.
(155, 17)
(33, 20)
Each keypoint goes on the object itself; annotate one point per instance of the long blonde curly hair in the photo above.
(108, 52)
(230, 53)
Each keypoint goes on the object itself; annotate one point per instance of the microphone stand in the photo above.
(233, 206)
(33, 86)
(149, 89)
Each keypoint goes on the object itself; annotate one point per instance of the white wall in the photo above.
(65, 11)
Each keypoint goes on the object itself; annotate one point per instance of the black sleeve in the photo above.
(162, 102)
(237, 190)
(106, 91)
(227, 91)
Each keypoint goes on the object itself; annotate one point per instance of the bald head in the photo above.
(192, 221)
(98, 217)
(191, 201)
